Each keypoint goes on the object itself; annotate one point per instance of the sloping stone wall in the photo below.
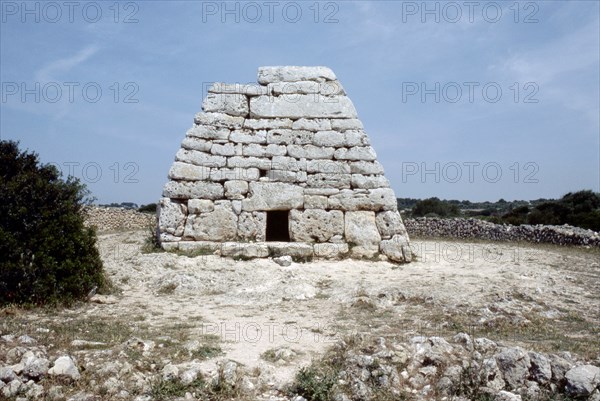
(478, 229)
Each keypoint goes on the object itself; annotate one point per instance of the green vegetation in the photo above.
(48, 255)
(580, 209)
(149, 208)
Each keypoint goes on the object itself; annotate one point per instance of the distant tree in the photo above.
(435, 207)
(149, 208)
(48, 255)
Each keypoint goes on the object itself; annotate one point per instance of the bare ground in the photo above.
(541, 297)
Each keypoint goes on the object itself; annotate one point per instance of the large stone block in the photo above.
(233, 104)
(200, 247)
(315, 202)
(369, 181)
(389, 224)
(236, 189)
(327, 166)
(235, 173)
(329, 138)
(267, 75)
(288, 163)
(249, 89)
(248, 136)
(328, 88)
(361, 229)
(171, 217)
(197, 206)
(200, 158)
(191, 190)
(244, 251)
(192, 143)
(218, 225)
(356, 153)
(249, 162)
(296, 250)
(219, 120)
(325, 180)
(273, 196)
(287, 176)
(344, 124)
(331, 251)
(289, 137)
(298, 106)
(315, 225)
(188, 172)
(356, 138)
(310, 152)
(380, 199)
(312, 124)
(363, 167)
(227, 149)
(257, 150)
(208, 132)
(397, 249)
(252, 226)
(268, 123)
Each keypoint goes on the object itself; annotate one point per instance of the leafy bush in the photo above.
(48, 255)
(149, 208)
(433, 207)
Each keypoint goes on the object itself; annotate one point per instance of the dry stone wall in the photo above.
(291, 143)
(474, 228)
(115, 218)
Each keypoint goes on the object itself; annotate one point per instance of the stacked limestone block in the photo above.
(291, 143)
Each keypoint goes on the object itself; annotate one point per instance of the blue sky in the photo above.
(151, 60)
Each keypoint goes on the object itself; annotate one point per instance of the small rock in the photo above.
(104, 299)
(170, 372)
(514, 365)
(12, 389)
(84, 343)
(284, 261)
(230, 372)
(507, 396)
(582, 380)
(35, 368)
(65, 367)
(7, 374)
(26, 340)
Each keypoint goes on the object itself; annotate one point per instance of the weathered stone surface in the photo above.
(582, 380)
(197, 206)
(329, 138)
(283, 261)
(252, 226)
(540, 369)
(188, 172)
(65, 367)
(236, 189)
(315, 202)
(310, 152)
(331, 251)
(208, 247)
(200, 158)
(369, 181)
(287, 176)
(346, 124)
(218, 225)
(268, 123)
(191, 190)
(273, 196)
(397, 249)
(324, 180)
(208, 132)
(363, 167)
(356, 138)
(249, 162)
(243, 250)
(289, 137)
(270, 150)
(389, 223)
(227, 149)
(356, 153)
(307, 106)
(233, 104)
(288, 163)
(192, 143)
(376, 200)
(294, 249)
(327, 166)
(315, 225)
(248, 136)
(312, 124)
(360, 228)
(219, 120)
(235, 173)
(171, 217)
(514, 365)
(328, 88)
(268, 75)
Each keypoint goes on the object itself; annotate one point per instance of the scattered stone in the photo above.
(284, 261)
(65, 367)
(582, 380)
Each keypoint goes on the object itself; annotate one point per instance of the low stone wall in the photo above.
(474, 228)
(116, 218)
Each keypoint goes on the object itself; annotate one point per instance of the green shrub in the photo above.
(48, 255)
(433, 207)
(149, 208)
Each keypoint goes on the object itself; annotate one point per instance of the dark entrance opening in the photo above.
(278, 226)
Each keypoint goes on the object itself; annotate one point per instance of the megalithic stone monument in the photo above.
(281, 168)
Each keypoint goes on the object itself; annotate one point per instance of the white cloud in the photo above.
(49, 71)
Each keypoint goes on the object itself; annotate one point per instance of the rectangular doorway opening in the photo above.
(278, 226)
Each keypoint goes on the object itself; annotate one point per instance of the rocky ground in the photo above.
(465, 321)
